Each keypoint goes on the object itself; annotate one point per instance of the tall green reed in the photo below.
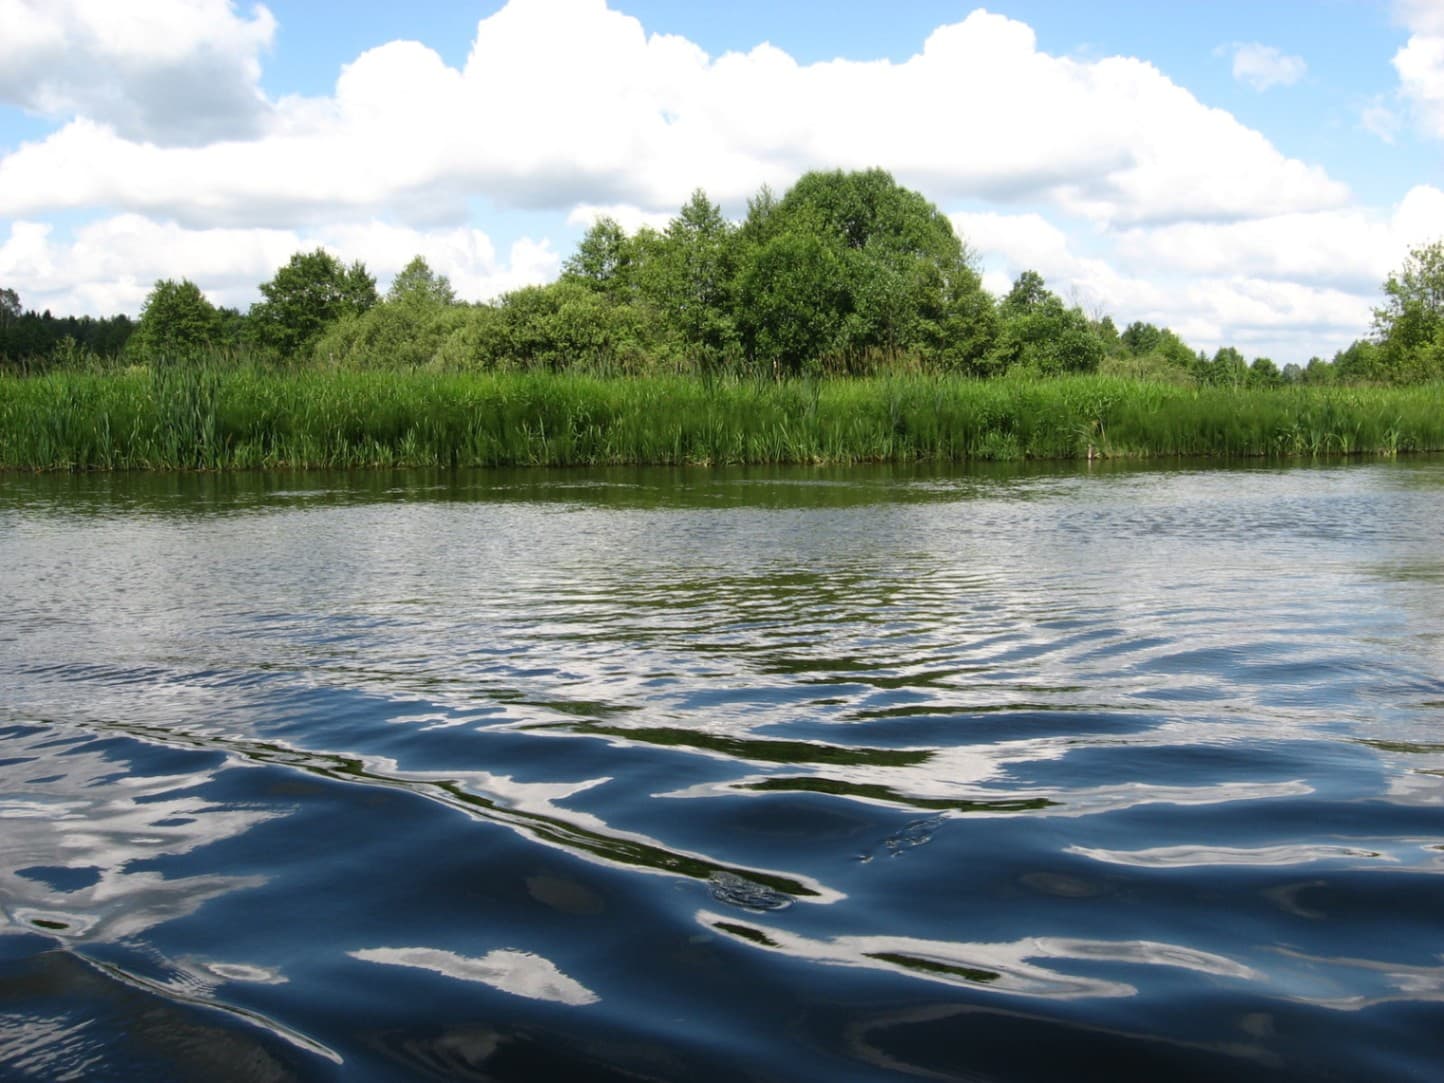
(218, 416)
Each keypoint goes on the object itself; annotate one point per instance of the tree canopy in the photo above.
(878, 270)
(419, 284)
(310, 292)
(1409, 326)
(176, 322)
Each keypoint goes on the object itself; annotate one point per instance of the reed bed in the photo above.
(215, 417)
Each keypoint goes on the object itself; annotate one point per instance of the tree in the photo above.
(1414, 295)
(563, 325)
(1409, 326)
(1107, 331)
(756, 228)
(404, 331)
(1028, 293)
(691, 281)
(794, 296)
(176, 323)
(1227, 369)
(1319, 371)
(1141, 338)
(895, 276)
(603, 260)
(419, 284)
(1039, 332)
(1264, 373)
(10, 316)
(1362, 360)
(312, 291)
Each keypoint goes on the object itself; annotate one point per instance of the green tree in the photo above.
(1264, 373)
(691, 281)
(406, 330)
(1038, 331)
(795, 295)
(1409, 326)
(1319, 371)
(1029, 292)
(564, 325)
(1227, 369)
(312, 291)
(10, 324)
(603, 260)
(417, 283)
(1141, 338)
(176, 323)
(1362, 360)
(757, 227)
(1145, 340)
(894, 275)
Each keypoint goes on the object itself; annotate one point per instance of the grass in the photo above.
(213, 417)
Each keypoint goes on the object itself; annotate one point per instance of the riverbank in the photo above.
(250, 418)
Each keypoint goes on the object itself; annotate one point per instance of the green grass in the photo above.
(211, 417)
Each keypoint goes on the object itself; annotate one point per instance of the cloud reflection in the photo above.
(517, 972)
(91, 815)
(1370, 982)
(1008, 967)
(1183, 857)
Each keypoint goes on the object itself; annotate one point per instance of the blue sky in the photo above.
(1244, 172)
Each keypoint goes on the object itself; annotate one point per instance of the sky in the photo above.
(1245, 172)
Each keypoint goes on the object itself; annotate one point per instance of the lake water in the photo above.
(740, 775)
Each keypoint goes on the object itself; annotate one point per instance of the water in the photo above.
(767, 775)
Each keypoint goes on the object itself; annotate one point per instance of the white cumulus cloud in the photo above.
(1420, 63)
(630, 218)
(111, 264)
(1352, 249)
(567, 102)
(157, 71)
(1287, 286)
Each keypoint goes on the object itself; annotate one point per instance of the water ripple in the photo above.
(718, 775)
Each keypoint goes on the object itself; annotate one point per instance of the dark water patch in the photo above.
(62, 878)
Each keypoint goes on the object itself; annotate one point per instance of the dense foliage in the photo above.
(177, 322)
(308, 294)
(34, 341)
(846, 273)
(1409, 326)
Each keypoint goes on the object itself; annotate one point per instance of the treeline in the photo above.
(36, 340)
(846, 273)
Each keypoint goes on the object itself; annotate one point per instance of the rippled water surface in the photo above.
(802, 775)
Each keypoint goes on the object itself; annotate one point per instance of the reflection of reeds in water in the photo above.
(214, 416)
